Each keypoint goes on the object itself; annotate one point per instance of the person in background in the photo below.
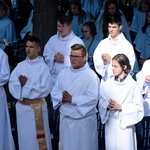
(78, 15)
(120, 106)
(143, 79)
(128, 8)
(6, 138)
(77, 103)
(93, 7)
(115, 43)
(142, 40)
(8, 39)
(139, 18)
(27, 30)
(111, 9)
(7, 28)
(57, 49)
(89, 32)
(30, 83)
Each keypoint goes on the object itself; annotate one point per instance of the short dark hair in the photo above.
(79, 47)
(34, 39)
(115, 19)
(123, 60)
(64, 19)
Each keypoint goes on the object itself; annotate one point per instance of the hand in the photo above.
(113, 105)
(66, 97)
(59, 58)
(147, 78)
(106, 58)
(22, 80)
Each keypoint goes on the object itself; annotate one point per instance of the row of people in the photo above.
(78, 108)
(79, 17)
(34, 84)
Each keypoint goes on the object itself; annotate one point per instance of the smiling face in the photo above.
(32, 50)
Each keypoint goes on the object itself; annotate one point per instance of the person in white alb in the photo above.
(76, 93)
(115, 43)
(120, 106)
(6, 138)
(57, 49)
(143, 79)
(30, 83)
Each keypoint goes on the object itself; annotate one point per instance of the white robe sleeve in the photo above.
(133, 112)
(56, 95)
(85, 103)
(48, 54)
(98, 62)
(103, 104)
(4, 68)
(140, 77)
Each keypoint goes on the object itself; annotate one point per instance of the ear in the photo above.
(120, 27)
(84, 59)
(124, 68)
(70, 26)
(39, 49)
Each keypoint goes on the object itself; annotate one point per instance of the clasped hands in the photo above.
(113, 105)
(22, 80)
(59, 58)
(66, 97)
(106, 58)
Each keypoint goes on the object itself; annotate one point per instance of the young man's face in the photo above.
(63, 29)
(114, 30)
(77, 59)
(32, 50)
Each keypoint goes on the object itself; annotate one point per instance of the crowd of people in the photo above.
(95, 66)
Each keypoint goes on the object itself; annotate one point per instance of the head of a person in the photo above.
(4, 9)
(78, 56)
(147, 21)
(144, 5)
(75, 6)
(111, 7)
(148, 16)
(114, 26)
(120, 65)
(33, 47)
(89, 30)
(63, 25)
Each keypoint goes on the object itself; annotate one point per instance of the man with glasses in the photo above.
(76, 91)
